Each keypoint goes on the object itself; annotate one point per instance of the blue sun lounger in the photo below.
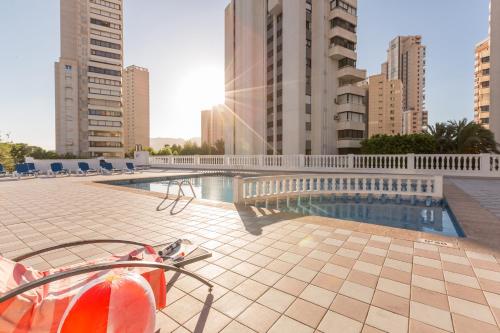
(85, 169)
(57, 169)
(32, 168)
(3, 173)
(22, 170)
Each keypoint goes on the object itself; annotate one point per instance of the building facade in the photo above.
(495, 68)
(88, 79)
(406, 62)
(136, 107)
(212, 125)
(291, 77)
(385, 106)
(482, 84)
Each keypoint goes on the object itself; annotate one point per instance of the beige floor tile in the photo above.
(429, 297)
(375, 251)
(461, 279)
(279, 266)
(363, 278)
(258, 317)
(386, 321)
(236, 327)
(302, 273)
(317, 295)
(335, 270)
(394, 287)
(419, 327)
(402, 249)
(229, 279)
(251, 289)
(313, 264)
(306, 312)
(183, 309)
(335, 322)
(357, 291)
(208, 320)
(350, 307)
(431, 315)
(397, 264)
(232, 304)
(426, 271)
(164, 323)
(493, 299)
(428, 283)
(290, 285)
(427, 262)
(334, 242)
(395, 275)
(290, 258)
(320, 255)
(286, 324)
(245, 269)
(348, 253)
(367, 267)
(464, 324)
(471, 310)
(343, 261)
(276, 300)
(391, 303)
(266, 277)
(455, 259)
(487, 274)
(227, 262)
(328, 282)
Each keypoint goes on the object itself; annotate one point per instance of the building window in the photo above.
(344, 6)
(104, 113)
(105, 54)
(337, 40)
(105, 71)
(107, 92)
(105, 123)
(105, 44)
(105, 13)
(106, 4)
(350, 134)
(105, 102)
(105, 144)
(105, 24)
(107, 82)
(338, 22)
(347, 62)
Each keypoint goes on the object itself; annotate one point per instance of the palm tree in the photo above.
(443, 136)
(463, 137)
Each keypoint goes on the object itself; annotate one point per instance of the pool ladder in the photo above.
(176, 182)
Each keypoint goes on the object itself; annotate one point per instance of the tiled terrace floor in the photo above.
(273, 273)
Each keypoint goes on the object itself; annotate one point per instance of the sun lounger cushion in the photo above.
(41, 309)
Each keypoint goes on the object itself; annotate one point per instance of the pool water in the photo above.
(219, 188)
(434, 217)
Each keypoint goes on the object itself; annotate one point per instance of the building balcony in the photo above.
(349, 143)
(105, 138)
(106, 149)
(274, 6)
(348, 124)
(351, 89)
(350, 73)
(341, 32)
(337, 52)
(340, 13)
(349, 107)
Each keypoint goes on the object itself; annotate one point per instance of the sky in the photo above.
(181, 42)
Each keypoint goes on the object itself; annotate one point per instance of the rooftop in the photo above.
(275, 272)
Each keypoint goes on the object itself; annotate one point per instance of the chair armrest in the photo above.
(95, 268)
(77, 243)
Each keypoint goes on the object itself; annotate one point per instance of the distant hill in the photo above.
(158, 143)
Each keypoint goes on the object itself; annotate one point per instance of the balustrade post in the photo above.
(411, 162)
(485, 164)
(301, 161)
(350, 161)
(197, 160)
(237, 189)
(438, 186)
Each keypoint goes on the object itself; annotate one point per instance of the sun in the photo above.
(200, 89)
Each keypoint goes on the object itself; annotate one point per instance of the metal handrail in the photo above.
(176, 182)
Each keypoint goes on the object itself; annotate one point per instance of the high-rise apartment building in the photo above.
(136, 107)
(385, 106)
(495, 68)
(406, 62)
(482, 84)
(88, 79)
(291, 77)
(212, 125)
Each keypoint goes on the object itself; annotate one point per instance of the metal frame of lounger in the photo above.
(176, 267)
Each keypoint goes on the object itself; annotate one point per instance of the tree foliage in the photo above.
(453, 137)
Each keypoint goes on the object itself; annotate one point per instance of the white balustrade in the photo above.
(276, 187)
(481, 165)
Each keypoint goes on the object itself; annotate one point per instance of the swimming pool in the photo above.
(418, 215)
